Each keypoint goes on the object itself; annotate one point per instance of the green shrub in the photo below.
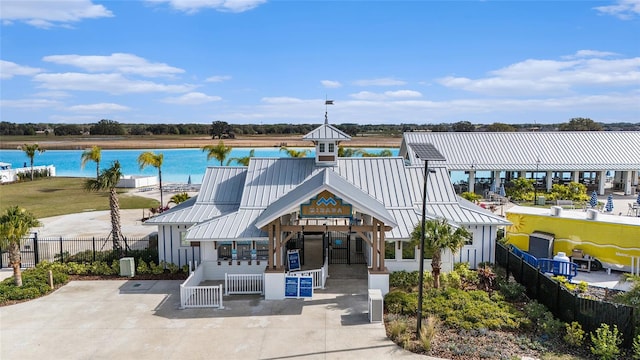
(115, 267)
(605, 342)
(636, 347)
(574, 335)
(142, 267)
(451, 279)
(101, 268)
(173, 268)
(512, 291)
(397, 327)
(403, 280)
(473, 197)
(156, 269)
(77, 268)
(542, 320)
(401, 302)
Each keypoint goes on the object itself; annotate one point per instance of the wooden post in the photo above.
(51, 279)
(383, 246)
(271, 248)
(374, 240)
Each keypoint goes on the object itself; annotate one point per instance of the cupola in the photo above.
(326, 138)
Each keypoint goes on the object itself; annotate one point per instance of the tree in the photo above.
(93, 154)
(179, 198)
(382, 153)
(219, 152)
(439, 235)
(31, 150)
(219, 128)
(349, 152)
(107, 180)
(244, 161)
(463, 126)
(295, 153)
(107, 127)
(15, 224)
(500, 127)
(580, 124)
(149, 158)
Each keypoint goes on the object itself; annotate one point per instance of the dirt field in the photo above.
(174, 142)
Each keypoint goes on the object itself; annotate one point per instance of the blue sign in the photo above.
(294, 260)
(306, 287)
(291, 286)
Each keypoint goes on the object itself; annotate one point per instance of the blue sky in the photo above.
(262, 62)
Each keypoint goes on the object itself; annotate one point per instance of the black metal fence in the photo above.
(565, 305)
(33, 250)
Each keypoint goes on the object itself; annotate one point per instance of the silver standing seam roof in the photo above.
(558, 150)
(384, 186)
(326, 132)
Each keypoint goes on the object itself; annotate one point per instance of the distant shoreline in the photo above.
(177, 142)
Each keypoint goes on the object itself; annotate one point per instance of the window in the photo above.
(224, 251)
(262, 250)
(183, 242)
(390, 250)
(321, 147)
(408, 251)
(244, 250)
(332, 147)
(469, 240)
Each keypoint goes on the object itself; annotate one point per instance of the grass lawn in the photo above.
(53, 196)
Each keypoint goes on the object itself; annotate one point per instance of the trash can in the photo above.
(127, 267)
(541, 200)
(375, 305)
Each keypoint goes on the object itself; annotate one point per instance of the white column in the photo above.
(496, 179)
(627, 183)
(472, 181)
(549, 180)
(575, 176)
(602, 182)
(634, 176)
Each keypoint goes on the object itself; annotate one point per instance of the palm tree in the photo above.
(219, 152)
(15, 223)
(108, 179)
(179, 198)
(349, 152)
(93, 154)
(31, 150)
(149, 158)
(244, 161)
(295, 153)
(439, 235)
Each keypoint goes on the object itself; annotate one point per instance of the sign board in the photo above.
(298, 287)
(234, 254)
(325, 204)
(254, 254)
(291, 286)
(293, 256)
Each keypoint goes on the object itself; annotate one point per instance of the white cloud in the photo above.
(387, 95)
(403, 94)
(29, 103)
(281, 100)
(547, 77)
(46, 14)
(623, 9)
(192, 98)
(330, 84)
(193, 6)
(218, 78)
(74, 119)
(98, 108)
(379, 82)
(52, 94)
(109, 83)
(10, 69)
(590, 54)
(118, 62)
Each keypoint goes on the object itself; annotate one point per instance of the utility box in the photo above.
(127, 267)
(375, 305)
(541, 200)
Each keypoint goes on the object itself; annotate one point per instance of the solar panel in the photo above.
(427, 152)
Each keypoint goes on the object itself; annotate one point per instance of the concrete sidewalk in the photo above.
(140, 320)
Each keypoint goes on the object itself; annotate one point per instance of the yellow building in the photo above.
(613, 240)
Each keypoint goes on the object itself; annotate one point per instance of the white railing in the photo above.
(194, 296)
(243, 284)
(319, 276)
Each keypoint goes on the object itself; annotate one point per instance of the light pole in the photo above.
(535, 184)
(425, 152)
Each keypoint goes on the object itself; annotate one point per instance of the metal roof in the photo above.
(326, 180)
(326, 132)
(560, 150)
(240, 225)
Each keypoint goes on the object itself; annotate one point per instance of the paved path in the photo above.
(141, 320)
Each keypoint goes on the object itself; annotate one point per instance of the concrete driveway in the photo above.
(132, 319)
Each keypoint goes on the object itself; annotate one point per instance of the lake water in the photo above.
(178, 164)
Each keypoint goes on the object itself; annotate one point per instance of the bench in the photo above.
(565, 203)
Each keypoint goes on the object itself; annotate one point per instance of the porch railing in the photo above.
(243, 284)
(319, 275)
(192, 295)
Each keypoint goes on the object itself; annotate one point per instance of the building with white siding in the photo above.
(548, 157)
(358, 211)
